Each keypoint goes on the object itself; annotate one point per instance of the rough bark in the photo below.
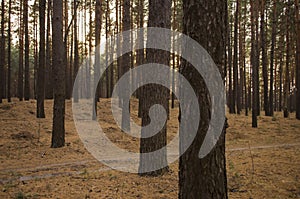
(159, 16)
(204, 178)
(287, 68)
(40, 112)
(58, 129)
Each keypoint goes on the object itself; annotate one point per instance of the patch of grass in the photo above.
(20, 195)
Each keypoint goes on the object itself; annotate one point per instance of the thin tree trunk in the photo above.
(264, 59)
(48, 67)
(2, 51)
(235, 60)
(126, 62)
(231, 98)
(9, 54)
(297, 61)
(21, 54)
(98, 23)
(274, 27)
(27, 74)
(254, 66)
(40, 112)
(76, 55)
(287, 67)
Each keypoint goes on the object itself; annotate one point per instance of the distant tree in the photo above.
(26, 34)
(76, 55)
(2, 52)
(126, 60)
(286, 91)
(274, 27)
(206, 177)
(264, 59)
(9, 53)
(58, 131)
(21, 54)
(297, 60)
(48, 67)
(98, 23)
(236, 91)
(254, 63)
(40, 112)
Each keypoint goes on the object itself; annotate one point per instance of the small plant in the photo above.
(20, 195)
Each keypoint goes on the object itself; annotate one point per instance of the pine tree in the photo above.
(58, 130)
(204, 178)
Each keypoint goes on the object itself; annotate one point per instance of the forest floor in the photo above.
(261, 163)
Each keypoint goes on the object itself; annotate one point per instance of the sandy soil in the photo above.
(261, 163)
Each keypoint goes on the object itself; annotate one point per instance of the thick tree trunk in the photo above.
(204, 178)
(58, 131)
(40, 113)
(159, 16)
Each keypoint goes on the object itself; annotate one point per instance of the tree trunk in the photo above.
(48, 67)
(231, 98)
(159, 16)
(2, 51)
(254, 65)
(274, 27)
(297, 61)
(206, 177)
(98, 23)
(140, 53)
(21, 54)
(235, 60)
(9, 54)
(264, 59)
(58, 131)
(41, 70)
(27, 74)
(287, 67)
(76, 55)
(126, 62)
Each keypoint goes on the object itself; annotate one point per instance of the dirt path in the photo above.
(51, 168)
